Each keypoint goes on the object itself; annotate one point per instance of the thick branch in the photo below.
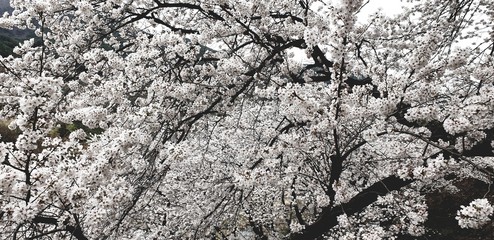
(328, 217)
(74, 230)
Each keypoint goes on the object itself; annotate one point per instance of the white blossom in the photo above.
(476, 214)
(133, 119)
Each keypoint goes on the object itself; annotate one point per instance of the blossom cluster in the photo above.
(476, 214)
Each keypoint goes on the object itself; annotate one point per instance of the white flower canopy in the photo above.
(194, 119)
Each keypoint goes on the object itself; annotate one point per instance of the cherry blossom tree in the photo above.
(196, 119)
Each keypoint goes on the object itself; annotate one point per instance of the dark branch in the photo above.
(328, 217)
(74, 230)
